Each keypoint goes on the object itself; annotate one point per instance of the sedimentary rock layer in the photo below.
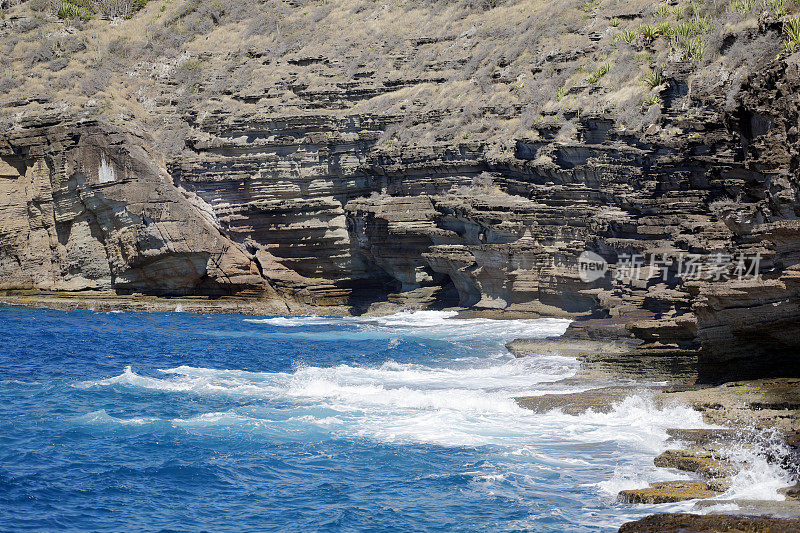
(292, 189)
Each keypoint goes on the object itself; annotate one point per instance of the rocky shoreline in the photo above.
(191, 158)
(760, 415)
(334, 183)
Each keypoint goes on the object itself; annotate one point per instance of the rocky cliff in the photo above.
(349, 153)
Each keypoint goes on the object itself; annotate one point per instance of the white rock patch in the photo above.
(105, 174)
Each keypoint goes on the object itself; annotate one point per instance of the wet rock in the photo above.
(705, 437)
(768, 508)
(704, 462)
(791, 493)
(668, 492)
(690, 523)
(758, 404)
(568, 347)
(609, 358)
(599, 400)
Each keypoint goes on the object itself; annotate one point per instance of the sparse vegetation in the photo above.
(743, 7)
(589, 5)
(779, 8)
(653, 79)
(601, 71)
(505, 63)
(652, 100)
(629, 36)
(791, 30)
(693, 48)
(648, 31)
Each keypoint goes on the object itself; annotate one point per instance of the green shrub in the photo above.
(664, 28)
(561, 93)
(687, 28)
(615, 22)
(703, 23)
(778, 7)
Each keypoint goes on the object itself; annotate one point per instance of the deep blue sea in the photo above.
(183, 422)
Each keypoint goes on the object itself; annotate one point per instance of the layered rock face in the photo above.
(327, 211)
(83, 207)
(292, 187)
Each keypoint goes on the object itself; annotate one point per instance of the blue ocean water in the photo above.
(182, 422)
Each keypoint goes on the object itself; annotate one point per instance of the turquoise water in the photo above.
(175, 422)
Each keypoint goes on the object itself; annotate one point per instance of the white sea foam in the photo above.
(425, 324)
(757, 478)
(466, 403)
(412, 403)
(283, 321)
(102, 417)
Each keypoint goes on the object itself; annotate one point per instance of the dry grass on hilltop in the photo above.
(447, 70)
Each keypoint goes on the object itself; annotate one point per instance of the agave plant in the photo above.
(778, 7)
(653, 79)
(73, 10)
(791, 29)
(694, 48)
(652, 100)
(743, 6)
(686, 28)
(664, 28)
(629, 36)
(648, 31)
(595, 76)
